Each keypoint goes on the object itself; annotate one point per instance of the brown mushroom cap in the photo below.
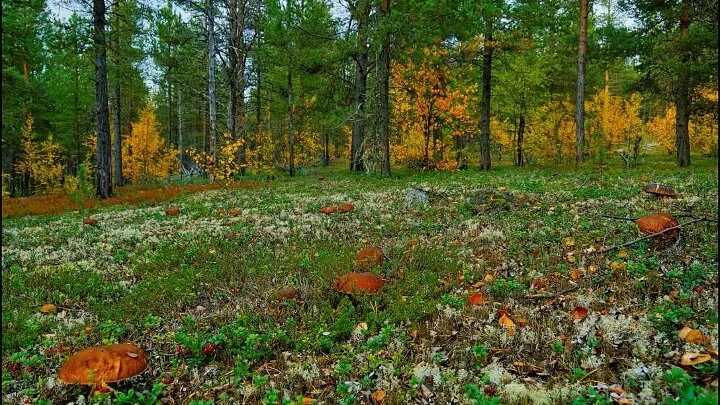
(328, 210)
(172, 211)
(104, 364)
(90, 221)
(658, 222)
(659, 190)
(369, 256)
(358, 283)
(346, 207)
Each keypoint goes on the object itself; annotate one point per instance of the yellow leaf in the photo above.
(508, 324)
(47, 308)
(379, 396)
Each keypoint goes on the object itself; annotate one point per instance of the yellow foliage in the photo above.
(227, 159)
(146, 156)
(426, 108)
(616, 119)
(41, 161)
(550, 133)
(703, 129)
(661, 130)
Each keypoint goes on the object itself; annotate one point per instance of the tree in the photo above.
(580, 95)
(384, 89)
(146, 155)
(103, 186)
(677, 57)
(360, 12)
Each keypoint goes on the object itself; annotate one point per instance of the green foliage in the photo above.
(685, 390)
(477, 397)
(502, 288)
(668, 316)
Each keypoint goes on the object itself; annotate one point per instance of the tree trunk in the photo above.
(179, 130)
(384, 88)
(291, 137)
(580, 97)
(520, 136)
(486, 87)
(211, 83)
(361, 71)
(103, 187)
(682, 96)
(119, 181)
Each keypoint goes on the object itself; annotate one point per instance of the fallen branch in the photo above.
(540, 296)
(632, 242)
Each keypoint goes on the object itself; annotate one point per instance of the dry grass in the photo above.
(61, 202)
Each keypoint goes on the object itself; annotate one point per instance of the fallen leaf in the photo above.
(379, 396)
(308, 401)
(47, 308)
(489, 278)
(622, 253)
(618, 266)
(691, 335)
(476, 299)
(579, 313)
(508, 324)
(691, 359)
(569, 241)
(611, 299)
(575, 274)
(539, 284)
(521, 320)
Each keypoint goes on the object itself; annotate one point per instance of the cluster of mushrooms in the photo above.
(100, 365)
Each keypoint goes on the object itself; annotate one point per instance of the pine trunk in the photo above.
(682, 97)
(520, 136)
(103, 187)
(384, 102)
(580, 96)
(486, 88)
(212, 106)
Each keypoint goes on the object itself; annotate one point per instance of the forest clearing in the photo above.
(234, 298)
(375, 202)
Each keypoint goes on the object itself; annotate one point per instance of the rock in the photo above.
(416, 196)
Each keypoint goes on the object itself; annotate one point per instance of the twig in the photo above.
(588, 374)
(540, 297)
(649, 236)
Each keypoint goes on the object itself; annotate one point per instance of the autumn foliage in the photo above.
(146, 156)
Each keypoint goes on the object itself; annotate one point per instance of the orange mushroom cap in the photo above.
(658, 222)
(369, 256)
(346, 207)
(104, 364)
(358, 283)
(328, 210)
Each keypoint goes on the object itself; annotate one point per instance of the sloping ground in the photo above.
(199, 292)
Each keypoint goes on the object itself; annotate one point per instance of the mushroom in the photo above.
(358, 283)
(658, 222)
(659, 190)
(172, 211)
(103, 364)
(347, 207)
(90, 221)
(328, 210)
(369, 256)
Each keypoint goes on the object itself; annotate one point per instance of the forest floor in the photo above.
(199, 291)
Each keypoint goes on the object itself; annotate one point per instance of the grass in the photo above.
(198, 291)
